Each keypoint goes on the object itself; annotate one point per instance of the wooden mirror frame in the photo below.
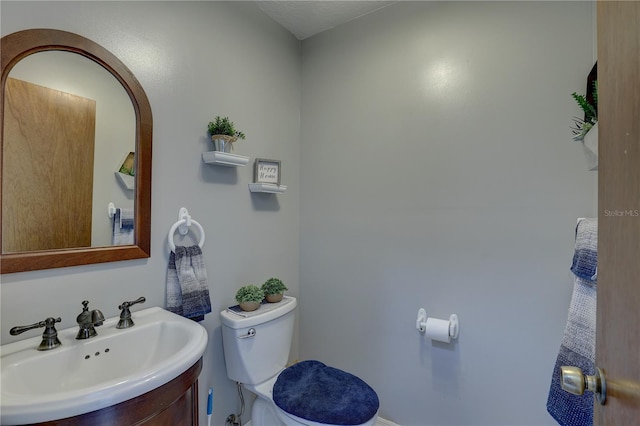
(20, 44)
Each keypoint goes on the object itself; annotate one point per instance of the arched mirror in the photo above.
(75, 138)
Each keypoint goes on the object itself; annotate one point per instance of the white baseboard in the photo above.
(384, 422)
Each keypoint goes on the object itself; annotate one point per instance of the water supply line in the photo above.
(236, 420)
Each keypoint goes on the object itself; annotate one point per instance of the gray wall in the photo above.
(194, 60)
(435, 170)
(438, 171)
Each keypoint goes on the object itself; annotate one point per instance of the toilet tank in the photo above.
(253, 358)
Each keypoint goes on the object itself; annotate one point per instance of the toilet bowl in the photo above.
(256, 349)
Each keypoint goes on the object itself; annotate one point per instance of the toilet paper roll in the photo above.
(437, 329)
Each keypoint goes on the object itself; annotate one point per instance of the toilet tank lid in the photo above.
(234, 318)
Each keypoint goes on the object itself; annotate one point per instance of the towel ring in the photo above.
(183, 224)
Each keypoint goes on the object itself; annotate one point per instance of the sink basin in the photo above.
(86, 375)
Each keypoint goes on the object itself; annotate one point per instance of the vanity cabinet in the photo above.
(172, 404)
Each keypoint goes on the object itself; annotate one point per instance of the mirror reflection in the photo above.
(69, 138)
(112, 130)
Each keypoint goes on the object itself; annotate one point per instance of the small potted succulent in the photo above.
(223, 133)
(249, 297)
(273, 290)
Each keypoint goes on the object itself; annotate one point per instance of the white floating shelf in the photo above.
(224, 159)
(271, 188)
(127, 181)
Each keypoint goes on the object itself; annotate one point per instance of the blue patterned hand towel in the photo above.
(187, 284)
(122, 231)
(578, 343)
(585, 257)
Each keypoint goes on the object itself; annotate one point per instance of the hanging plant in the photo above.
(582, 126)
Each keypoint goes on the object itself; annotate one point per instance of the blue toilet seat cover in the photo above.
(314, 391)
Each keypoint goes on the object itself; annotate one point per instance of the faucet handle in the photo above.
(49, 337)
(125, 315)
(126, 305)
(22, 328)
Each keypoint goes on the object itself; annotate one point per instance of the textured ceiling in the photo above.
(304, 18)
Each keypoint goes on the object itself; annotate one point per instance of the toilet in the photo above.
(256, 350)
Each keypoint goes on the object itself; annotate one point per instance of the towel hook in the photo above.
(183, 228)
(182, 225)
(111, 209)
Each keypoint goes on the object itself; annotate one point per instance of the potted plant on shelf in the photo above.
(223, 133)
(586, 130)
(273, 290)
(249, 297)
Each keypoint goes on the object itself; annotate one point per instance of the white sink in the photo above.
(86, 375)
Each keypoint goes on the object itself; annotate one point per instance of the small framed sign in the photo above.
(267, 171)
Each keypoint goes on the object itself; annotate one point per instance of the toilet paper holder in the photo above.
(421, 323)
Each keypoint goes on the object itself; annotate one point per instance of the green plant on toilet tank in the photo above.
(273, 289)
(249, 297)
(224, 133)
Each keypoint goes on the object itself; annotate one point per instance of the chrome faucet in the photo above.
(87, 321)
(125, 314)
(49, 337)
